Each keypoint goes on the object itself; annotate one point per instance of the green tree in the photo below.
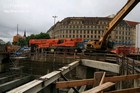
(23, 42)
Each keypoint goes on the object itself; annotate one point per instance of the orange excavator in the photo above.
(102, 43)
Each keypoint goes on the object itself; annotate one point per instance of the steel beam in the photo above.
(38, 84)
(115, 68)
(15, 83)
(6, 78)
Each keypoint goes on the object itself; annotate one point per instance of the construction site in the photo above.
(59, 66)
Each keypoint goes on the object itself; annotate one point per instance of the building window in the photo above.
(73, 31)
(84, 36)
(70, 31)
(95, 31)
(99, 32)
(84, 31)
(77, 36)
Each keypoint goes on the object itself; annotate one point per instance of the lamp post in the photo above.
(54, 24)
(54, 19)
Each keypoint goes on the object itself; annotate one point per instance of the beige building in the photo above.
(92, 28)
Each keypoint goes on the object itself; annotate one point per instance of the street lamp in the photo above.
(54, 24)
(54, 19)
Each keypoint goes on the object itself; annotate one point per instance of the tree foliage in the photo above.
(25, 41)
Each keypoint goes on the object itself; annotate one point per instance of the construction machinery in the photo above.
(59, 44)
(103, 43)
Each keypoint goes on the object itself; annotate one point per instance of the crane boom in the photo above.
(115, 21)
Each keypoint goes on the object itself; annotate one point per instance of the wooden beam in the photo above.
(122, 78)
(128, 90)
(69, 84)
(73, 83)
(68, 80)
(99, 88)
(97, 78)
(102, 79)
(115, 68)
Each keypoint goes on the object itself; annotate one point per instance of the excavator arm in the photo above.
(115, 21)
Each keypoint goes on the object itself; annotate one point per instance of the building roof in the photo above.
(90, 20)
(132, 23)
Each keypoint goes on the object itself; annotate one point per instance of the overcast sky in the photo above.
(35, 16)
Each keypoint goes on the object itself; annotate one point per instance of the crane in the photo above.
(102, 42)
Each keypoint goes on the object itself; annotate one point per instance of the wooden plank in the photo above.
(99, 88)
(97, 78)
(122, 78)
(68, 84)
(82, 88)
(128, 90)
(115, 68)
(102, 79)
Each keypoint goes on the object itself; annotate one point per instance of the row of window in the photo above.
(85, 26)
(95, 36)
(86, 34)
(80, 36)
(91, 32)
(82, 32)
(93, 27)
(89, 22)
(123, 32)
(122, 37)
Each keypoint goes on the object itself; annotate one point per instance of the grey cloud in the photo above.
(35, 16)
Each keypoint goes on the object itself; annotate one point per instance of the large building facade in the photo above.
(92, 28)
